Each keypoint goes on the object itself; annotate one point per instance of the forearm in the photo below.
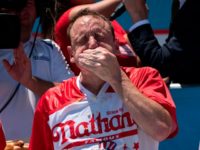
(39, 86)
(151, 53)
(105, 7)
(149, 115)
(146, 46)
(137, 9)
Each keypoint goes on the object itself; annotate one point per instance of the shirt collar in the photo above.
(87, 92)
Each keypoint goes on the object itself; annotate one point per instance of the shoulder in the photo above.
(47, 43)
(59, 96)
(143, 75)
(47, 46)
(141, 71)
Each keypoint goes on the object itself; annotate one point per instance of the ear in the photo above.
(71, 54)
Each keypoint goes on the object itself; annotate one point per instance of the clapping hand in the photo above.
(20, 70)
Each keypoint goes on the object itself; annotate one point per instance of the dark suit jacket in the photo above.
(179, 57)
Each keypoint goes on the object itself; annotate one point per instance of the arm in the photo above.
(152, 53)
(20, 70)
(145, 43)
(105, 7)
(41, 136)
(151, 116)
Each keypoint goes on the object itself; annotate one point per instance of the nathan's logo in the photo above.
(94, 126)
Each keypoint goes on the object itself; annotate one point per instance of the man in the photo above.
(36, 64)
(178, 58)
(105, 107)
(67, 9)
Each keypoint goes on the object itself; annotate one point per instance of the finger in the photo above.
(95, 54)
(89, 65)
(90, 57)
(26, 146)
(19, 54)
(97, 51)
(89, 62)
(19, 143)
(9, 145)
(92, 51)
(21, 50)
(17, 51)
(16, 148)
(7, 65)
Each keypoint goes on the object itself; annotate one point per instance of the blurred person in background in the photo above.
(26, 73)
(178, 58)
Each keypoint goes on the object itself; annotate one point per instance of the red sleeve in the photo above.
(151, 84)
(2, 138)
(61, 39)
(127, 56)
(119, 32)
(60, 32)
(61, 28)
(41, 138)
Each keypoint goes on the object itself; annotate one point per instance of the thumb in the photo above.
(7, 65)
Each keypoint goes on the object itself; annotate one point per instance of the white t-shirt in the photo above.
(109, 124)
(48, 64)
(69, 116)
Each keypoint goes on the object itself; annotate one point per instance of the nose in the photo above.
(92, 42)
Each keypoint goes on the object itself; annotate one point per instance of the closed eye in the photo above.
(99, 36)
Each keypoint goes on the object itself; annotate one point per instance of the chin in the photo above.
(86, 72)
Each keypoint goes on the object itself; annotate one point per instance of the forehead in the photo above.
(89, 23)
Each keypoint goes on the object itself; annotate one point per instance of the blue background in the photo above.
(159, 15)
(187, 100)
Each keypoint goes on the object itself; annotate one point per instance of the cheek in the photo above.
(76, 53)
(79, 48)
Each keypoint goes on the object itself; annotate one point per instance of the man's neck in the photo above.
(91, 82)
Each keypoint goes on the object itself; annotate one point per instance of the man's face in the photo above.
(90, 33)
(28, 14)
